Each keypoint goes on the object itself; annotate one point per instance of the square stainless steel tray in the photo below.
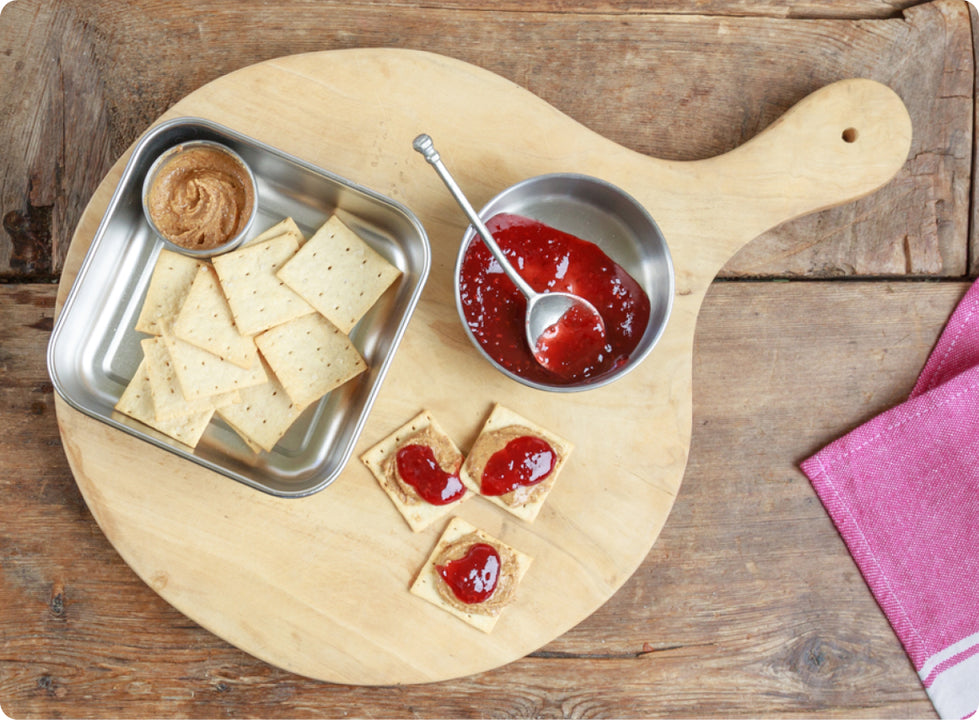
(94, 348)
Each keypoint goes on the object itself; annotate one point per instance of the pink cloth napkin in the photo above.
(903, 490)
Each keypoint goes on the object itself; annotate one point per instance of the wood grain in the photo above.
(748, 603)
(781, 624)
(341, 613)
(663, 84)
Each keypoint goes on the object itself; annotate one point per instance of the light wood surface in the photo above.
(320, 583)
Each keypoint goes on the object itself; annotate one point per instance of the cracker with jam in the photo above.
(514, 463)
(471, 575)
(418, 467)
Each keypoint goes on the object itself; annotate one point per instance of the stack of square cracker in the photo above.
(256, 336)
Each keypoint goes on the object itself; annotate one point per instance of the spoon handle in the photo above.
(424, 145)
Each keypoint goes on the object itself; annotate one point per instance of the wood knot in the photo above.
(30, 235)
(57, 602)
(821, 662)
(52, 687)
(45, 324)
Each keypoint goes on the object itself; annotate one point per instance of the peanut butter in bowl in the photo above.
(200, 197)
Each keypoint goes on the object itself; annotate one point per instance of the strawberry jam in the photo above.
(418, 467)
(523, 462)
(573, 343)
(549, 260)
(473, 577)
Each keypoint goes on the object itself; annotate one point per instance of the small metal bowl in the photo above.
(599, 212)
(172, 153)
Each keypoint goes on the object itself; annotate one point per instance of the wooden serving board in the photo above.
(319, 586)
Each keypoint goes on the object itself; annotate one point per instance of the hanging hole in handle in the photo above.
(849, 135)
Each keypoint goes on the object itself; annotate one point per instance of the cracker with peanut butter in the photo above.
(472, 585)
(514, 463)
(439, 491)
(339, 274)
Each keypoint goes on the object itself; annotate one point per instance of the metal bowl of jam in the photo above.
(572, 233)
(200, 198)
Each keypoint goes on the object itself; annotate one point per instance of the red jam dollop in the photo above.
(571, 345)
(473, 577)
(549, 260)
(524, 461)
(418, 467)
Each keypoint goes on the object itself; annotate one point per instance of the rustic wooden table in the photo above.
(749, 603)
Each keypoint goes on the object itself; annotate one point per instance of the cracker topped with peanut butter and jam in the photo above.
(514, 463)
(471, 575)
(418, 467)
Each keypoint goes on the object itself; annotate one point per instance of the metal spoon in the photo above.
(544, 310)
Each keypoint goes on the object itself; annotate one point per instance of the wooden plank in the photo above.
(674, 86)
(747, 605)
(917, 228)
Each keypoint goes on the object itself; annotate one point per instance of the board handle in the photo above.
(840, 143)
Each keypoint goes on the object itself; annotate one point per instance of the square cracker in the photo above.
(169, 283)
(137, 402)
(205, 321)
(426, 583)
(283, 227)
(310, 357)
(502, 417)
(258, 299)
(168, 399)
(339, 274)
(202, 374)
(263, 415)
(418, 513)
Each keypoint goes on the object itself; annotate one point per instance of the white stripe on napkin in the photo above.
(947, 654)
(954, 690)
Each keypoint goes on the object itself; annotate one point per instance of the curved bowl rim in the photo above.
(224, 247)
(650, 337)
